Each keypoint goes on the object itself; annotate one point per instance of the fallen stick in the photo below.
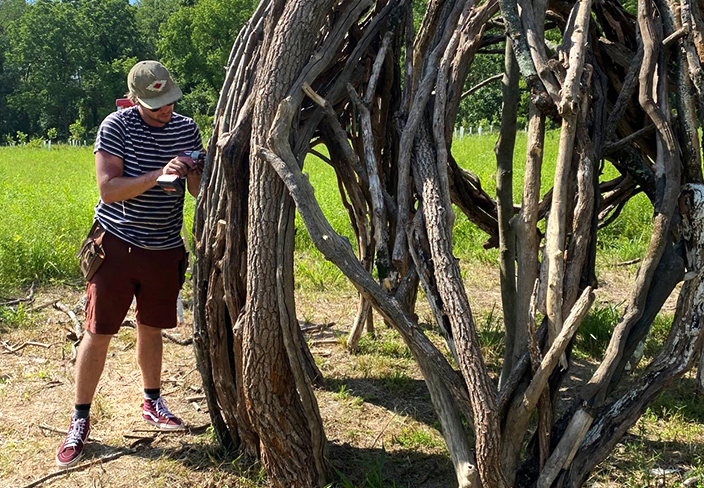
(195, 398)
(17, 301)
(376, 439)
(10, 349)
(64, 432)
(143, 440)
(177, 340)
(138, 437)
(76, 323)
(162, 431)
(325, 342)
(79, 467)
(186, 429)
(42, 306)
(308, 327)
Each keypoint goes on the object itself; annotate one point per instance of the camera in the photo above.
(174, 184)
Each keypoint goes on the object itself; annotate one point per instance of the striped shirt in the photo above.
(153, 219)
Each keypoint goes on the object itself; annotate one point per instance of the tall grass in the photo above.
(47, 200)
(46, 209)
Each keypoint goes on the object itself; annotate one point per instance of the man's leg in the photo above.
(149, 354)
(149, 351)
(89, 365)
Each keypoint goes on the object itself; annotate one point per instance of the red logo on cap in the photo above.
(157, 85)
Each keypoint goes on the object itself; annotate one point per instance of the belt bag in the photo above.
(91, 255)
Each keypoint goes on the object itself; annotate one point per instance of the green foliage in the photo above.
(47, 200)
(482, 107)
(418, 438)
(70, 60)
(77, 131)
(659, 331)
(195, 43)
(35, 143)
(388, 345)
(150, 16)
(374, 478)
(13, 318)
(21, 137)
(52, 133)
(316, 273)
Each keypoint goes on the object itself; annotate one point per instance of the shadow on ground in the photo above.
(351, 467)
(399, 394)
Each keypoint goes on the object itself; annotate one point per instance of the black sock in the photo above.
(81, 411)
(152, 393)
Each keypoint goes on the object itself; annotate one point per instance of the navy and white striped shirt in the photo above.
(153, 219)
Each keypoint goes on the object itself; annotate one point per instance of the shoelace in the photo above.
(76, 433)
(161, 408)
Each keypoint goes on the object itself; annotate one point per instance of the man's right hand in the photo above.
(180, 165)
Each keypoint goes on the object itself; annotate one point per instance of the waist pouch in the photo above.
(91, 255)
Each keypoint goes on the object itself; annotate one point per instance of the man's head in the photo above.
(151, 86)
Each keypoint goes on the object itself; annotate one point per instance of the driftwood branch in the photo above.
(80, 467)
(77, 327)
(12, 349)
(481, 85)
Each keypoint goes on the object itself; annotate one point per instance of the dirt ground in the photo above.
(377, 412)
(36, 394)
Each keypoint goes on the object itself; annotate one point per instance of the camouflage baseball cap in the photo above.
(152, 84)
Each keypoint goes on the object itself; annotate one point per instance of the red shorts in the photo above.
(154, 277)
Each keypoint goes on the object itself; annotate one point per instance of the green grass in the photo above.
(47, 200)
(418, 438)
(48, 197)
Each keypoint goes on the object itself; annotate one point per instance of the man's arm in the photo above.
(114, 187)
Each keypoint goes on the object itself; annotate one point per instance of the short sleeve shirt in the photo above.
(152, 220)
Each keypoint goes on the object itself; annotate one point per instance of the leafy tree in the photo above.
(195, 44)
(151, 15)
(76, 130)
(10, 120)
(485, 103)
(71, 60)
(46, 44)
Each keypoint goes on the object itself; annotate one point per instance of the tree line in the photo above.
(63, 62)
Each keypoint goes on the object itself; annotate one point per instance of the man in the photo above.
(144, 253)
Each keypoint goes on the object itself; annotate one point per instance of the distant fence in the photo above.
(47, 144)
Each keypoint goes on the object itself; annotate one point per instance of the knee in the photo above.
(148, 331)
(96, 340)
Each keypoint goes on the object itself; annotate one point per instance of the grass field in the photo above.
(47, 200)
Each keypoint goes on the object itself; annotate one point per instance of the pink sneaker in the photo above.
(71, 450)
(155, 413)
